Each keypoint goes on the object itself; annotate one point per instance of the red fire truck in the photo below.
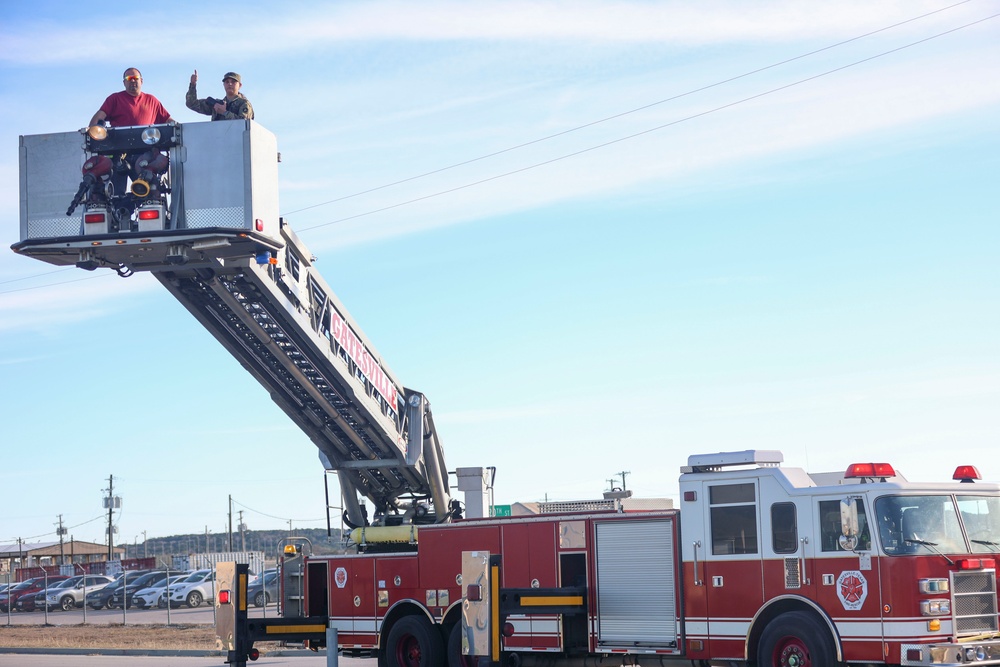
(760, 563)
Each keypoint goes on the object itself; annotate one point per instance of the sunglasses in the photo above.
(133, 78)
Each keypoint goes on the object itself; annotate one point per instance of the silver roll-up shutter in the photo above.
(636, 583)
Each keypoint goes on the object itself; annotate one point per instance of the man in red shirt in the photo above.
(131, 106)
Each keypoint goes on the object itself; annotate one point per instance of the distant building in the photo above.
(46, 554)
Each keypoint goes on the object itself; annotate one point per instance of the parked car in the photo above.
(33, 602)
(194, 590)
(156, 596)
(29, 587)
(123, 595)
(101, 598)
(68, 597)
(14, 592)
(264, 589)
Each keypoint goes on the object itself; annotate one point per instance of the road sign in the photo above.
(500, 510)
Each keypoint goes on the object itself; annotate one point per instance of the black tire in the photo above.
(161, 603)
(414, 642)
(796, 639)
(67, 603)
(455, 657)
(194, 599)
(260, 599)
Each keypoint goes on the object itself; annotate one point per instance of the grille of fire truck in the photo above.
(974, 602)
(246, 318)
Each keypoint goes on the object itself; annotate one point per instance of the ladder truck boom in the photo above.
(207, 227)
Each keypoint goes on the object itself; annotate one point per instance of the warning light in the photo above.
(150, 214)
(856, 470)
(225, 597)
(259, 225)
(95, 217)
(291, 550)
(977, 564)
(253, 654)
(966, 473)
(474, 593)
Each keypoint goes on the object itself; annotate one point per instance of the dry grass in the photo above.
(169, 637)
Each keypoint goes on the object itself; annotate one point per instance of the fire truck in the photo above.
(760, 563)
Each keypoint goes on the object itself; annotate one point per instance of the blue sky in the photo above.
(802, 258)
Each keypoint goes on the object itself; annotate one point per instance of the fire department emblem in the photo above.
(852, 589)
(340, 577)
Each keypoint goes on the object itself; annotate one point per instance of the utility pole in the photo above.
(230, 523)
(623, 473)
(243, 532)
(111, 502)
(144, 555)
(61, 532)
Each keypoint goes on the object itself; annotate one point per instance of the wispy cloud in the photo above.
(302, 27)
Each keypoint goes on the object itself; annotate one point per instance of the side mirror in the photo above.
(848, 524)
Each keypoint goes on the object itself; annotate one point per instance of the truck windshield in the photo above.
(931, 524)
(981, 516)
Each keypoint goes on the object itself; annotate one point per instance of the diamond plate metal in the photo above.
(68, 225)
(230, 217)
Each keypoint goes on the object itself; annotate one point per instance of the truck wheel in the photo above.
(67, 603)
(455, 657)
(796, 639)
(194, 599)
(414, 642)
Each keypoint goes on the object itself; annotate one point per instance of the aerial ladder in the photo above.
(201, 215)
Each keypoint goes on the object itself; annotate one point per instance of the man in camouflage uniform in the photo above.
(233, 106)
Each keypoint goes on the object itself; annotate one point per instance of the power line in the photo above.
(271, 516)
(62, 282)
(37, 275)
(650, 130)
(625, 113)
(35, 537)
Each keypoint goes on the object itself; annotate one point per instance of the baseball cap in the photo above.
(232, 75)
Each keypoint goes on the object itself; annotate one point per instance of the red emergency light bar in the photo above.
(977, 564)
(151, 214)
(966, 473)
(856, 470)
